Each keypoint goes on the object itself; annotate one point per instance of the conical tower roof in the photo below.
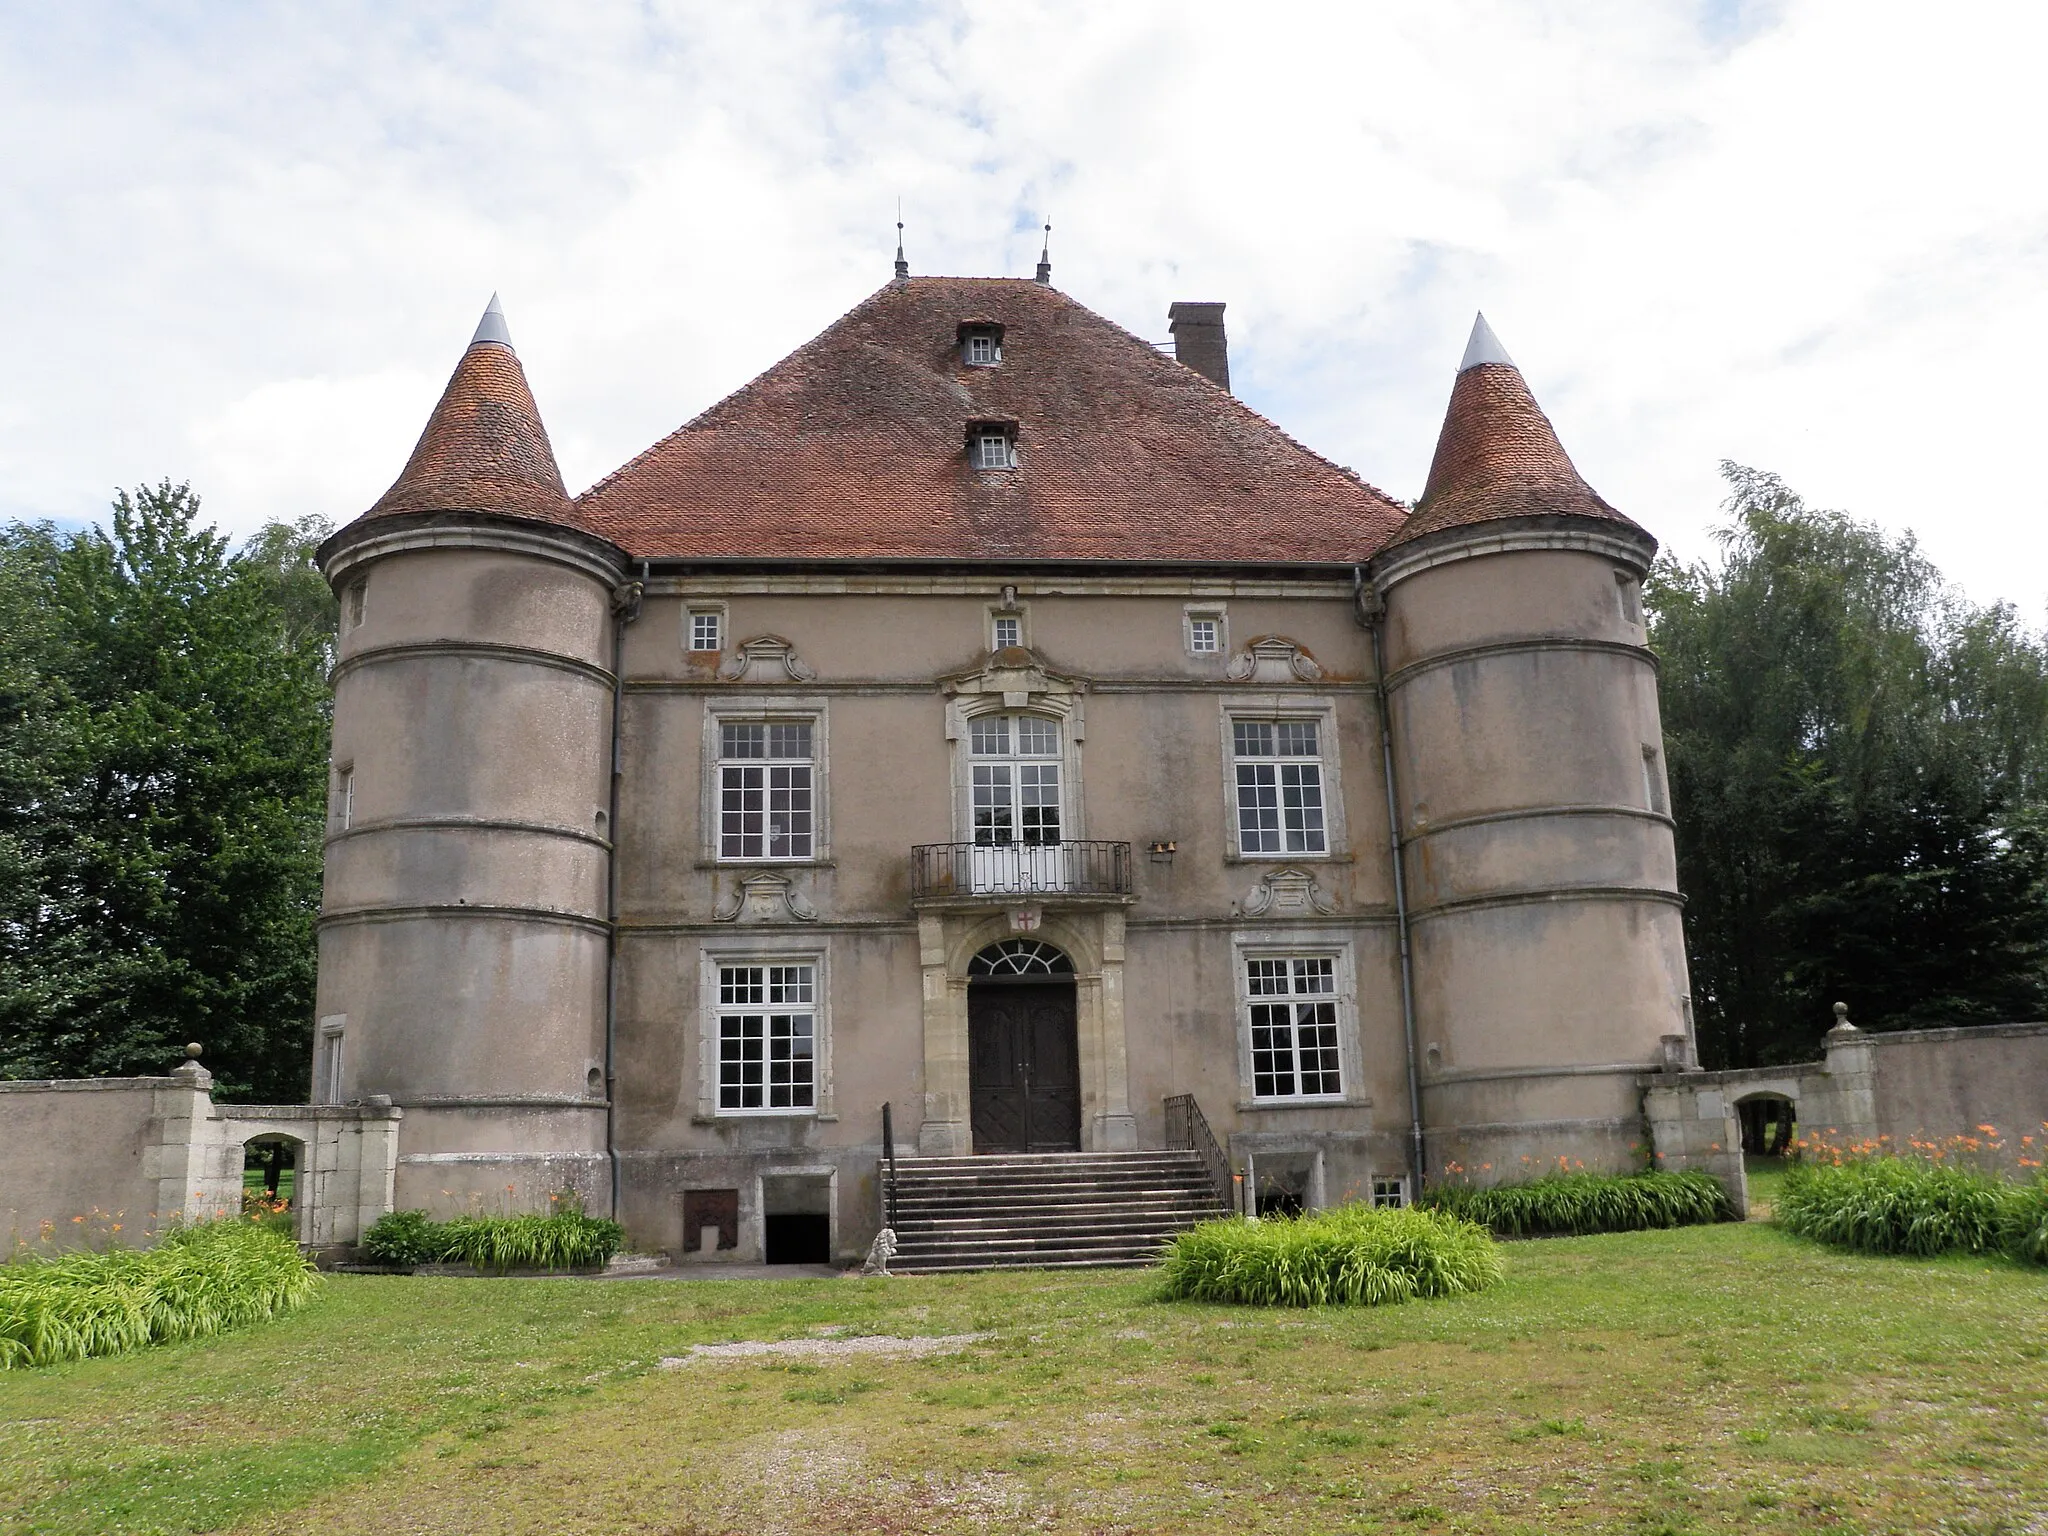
(484, 449)
(1498, 455)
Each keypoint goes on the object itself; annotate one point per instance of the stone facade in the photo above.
(1352, 827)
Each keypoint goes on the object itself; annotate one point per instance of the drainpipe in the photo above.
(1371, 612)
(625, 609)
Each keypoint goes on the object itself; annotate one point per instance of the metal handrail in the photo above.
(1005, 871)
(888, 1169)
(1187, 1130)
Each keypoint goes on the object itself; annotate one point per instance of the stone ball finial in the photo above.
(1841, 1013)
(1843, 1028)
(194, 1051)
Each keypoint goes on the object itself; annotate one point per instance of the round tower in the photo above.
(463, 929)
(1544, 917)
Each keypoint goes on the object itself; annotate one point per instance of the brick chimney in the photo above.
(1198, 340)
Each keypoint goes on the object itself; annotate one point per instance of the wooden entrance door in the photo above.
(1024, 1067)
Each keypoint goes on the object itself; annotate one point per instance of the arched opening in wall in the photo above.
(271, 1166)
(1768, 1122)
(1023, 1056)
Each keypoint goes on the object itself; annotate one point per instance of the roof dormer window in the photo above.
(992, 443)
(981, 343)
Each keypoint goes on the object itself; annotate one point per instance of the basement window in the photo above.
(1389, 1192)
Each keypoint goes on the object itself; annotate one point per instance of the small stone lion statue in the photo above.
(880, 1252)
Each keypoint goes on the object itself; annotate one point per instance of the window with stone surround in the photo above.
(766, 806)
(767, 1037)
(1291, 1008)
(1016, 778)
(1278, 771)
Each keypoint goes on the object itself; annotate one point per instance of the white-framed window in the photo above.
(767, 1036)
(766, 789)
(1291, 1008)
(982, 348)
(993, 450)
(1005, 630)
(1277, 774)
(1389, 1191)
(1015, 778)
(1203, 631)
(358, 601)
(706, 629)
(327, 1064)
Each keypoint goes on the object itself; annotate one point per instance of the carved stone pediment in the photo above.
(1287, 893)
(1017, 676)
(1273, 659)
(768, 897)
(765, 659)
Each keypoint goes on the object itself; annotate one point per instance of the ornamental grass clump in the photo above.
(566, 1240)
(2026, 1221)
(1578, 1204)
(1354, 1255)
(196, 1282)
(1901, 1205)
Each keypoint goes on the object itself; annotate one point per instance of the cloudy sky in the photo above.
(244, 244)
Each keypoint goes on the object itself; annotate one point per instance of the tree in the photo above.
(1859, 772)
(163, 735)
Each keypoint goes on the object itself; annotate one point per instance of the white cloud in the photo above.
(248, 244)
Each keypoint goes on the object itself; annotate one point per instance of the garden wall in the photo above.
(1905, 1085)
(98, 1159)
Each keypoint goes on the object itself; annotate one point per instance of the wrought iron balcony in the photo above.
(1008, 871)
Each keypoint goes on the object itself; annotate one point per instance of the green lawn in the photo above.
(1706, 1379)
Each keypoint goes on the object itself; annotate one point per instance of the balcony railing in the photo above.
(1005, 870)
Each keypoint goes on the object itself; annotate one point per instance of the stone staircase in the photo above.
(1059, 1210)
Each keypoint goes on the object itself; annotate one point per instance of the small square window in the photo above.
(707, 630)
(992, 451)
(1203, 639)
(982, 349)
(1389, 1192)
(1005, 630)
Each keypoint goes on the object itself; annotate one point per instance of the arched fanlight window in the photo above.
(1020, 957)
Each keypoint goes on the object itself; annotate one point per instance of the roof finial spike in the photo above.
(1045, 256)
(1484, 347)
(902, 266)
(493, 327)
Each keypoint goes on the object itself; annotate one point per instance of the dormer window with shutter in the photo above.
(992, 444)
(981, 343)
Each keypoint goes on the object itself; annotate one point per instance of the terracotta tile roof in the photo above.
(484, 449)
(853, 447)
(1499, 457)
